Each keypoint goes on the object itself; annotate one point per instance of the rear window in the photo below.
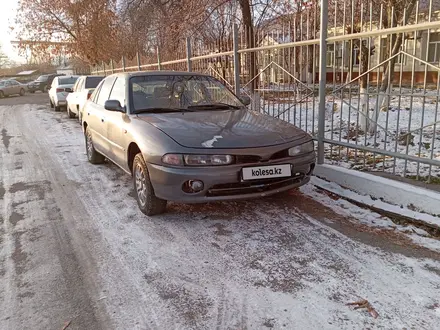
(67, 81)
(92, 82)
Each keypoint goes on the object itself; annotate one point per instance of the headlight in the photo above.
(197, 160)
(302, 149)
(208, 160)
(172, 159)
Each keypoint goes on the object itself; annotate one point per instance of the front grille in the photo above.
(250, 187)
(252, 159)
(247, 159)
(280, 154)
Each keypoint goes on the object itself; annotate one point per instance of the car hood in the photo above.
(223, 129)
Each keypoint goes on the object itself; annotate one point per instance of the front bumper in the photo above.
(224, 183)
(34, 88)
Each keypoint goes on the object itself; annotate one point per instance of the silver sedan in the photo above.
(185, 137)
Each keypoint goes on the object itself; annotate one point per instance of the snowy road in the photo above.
(75, 248)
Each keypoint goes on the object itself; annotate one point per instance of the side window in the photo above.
(77, 85)
(104, 93)
(81, 84)
(95, 94)
(118, 91)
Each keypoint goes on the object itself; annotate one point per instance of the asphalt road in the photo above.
(75, 248)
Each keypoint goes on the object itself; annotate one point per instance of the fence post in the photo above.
(123, 63)
(103, 68)
(112, 66)
(322, 79)
(159, 66)
(236, 61)
(138, 58)
(188, 54)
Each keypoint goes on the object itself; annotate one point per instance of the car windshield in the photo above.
(177, 92)
(42, 78)
(67, 81)
(92, 82)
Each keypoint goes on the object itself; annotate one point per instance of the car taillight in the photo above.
(59, 90)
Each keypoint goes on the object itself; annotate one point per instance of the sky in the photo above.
(7, 15)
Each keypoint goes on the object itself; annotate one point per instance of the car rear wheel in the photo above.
(70, 113)
(93, 156)
(2, 95)
(148, 203)
(22, 91)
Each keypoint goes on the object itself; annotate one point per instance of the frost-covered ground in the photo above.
(406, 114)
(75, 247)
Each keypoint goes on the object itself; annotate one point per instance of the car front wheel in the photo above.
(22, 92)
(93, 156)
(148, 203)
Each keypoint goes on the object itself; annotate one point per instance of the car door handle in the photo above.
(102, 119)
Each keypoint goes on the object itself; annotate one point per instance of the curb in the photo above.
(382, 195)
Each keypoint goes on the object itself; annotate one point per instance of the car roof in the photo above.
(157, 73)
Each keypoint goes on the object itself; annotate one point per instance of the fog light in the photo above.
(193, 186)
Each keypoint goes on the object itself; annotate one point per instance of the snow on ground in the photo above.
(406, 114)
(74, 246)
(368, 217)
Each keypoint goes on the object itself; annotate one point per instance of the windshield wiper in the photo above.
(161, 110)
(219, 105)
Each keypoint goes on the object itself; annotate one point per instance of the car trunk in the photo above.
(224, 129)
(61, 90)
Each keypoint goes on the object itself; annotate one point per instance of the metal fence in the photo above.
(329, 81)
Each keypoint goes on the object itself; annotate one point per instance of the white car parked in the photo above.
(82, 90)
(61, 87)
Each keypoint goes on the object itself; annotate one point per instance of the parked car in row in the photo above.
(42, 83)
(82, 90)
(185, 137)
(61, 87)
(11, 87)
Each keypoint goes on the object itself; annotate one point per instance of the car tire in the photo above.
(93, 156)
(147, 201)
(70, 113)
(57, 108)
(32, 92)
(22, 92)
(2, 95)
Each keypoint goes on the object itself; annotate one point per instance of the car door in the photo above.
(53, 89)
(15, 87)
(9, 88)
(95, 116)
(73, 98)
(116, 124)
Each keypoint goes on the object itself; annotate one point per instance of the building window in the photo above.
(434, 48)
(356, 55)
(330, 57)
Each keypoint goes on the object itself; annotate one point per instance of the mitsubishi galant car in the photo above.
(185, 137)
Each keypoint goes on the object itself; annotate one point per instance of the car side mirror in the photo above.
(113, 105)
(246, 100)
